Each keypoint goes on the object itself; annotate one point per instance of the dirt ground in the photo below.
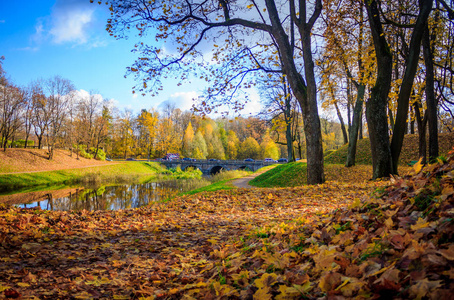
(36, 160)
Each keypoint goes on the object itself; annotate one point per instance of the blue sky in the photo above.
(41, 39)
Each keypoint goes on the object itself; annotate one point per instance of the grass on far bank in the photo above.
(220, 181)
(295, 174)
(118, 172)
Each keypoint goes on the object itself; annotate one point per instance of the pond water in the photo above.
(107, 197)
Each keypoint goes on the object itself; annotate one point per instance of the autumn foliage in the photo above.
(352, 240)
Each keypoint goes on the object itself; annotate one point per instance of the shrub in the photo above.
(82, 152)
(101, 154)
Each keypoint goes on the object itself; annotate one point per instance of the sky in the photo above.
(45, 38)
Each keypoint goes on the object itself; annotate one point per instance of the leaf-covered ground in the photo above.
(332, 240)
(409, 150)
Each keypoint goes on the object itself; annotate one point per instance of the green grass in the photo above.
(220, 181)
(118, 172)
(295, 174)
(290, 174)
(217, 186)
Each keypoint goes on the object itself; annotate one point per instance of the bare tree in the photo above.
(12, 101)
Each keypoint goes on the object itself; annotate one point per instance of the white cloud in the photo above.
(70, 22)
(181, 100)
(254, 106)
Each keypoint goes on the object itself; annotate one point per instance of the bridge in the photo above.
(211, 167)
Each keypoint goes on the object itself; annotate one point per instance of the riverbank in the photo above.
(36, 160)
(108, 172)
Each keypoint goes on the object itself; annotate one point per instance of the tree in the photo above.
(12, 101)
(147, 123)
(425, 7)
(233, 144)
(41, 114)
(102, 126)
(59, 90)
(280, 104)
(269, 148)
(125, 136)
(249, 148)
(189, 23)
(188, 139)
(385, 155)
(200, 146)
(346, 49)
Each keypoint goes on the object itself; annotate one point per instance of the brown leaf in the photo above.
(330, 281)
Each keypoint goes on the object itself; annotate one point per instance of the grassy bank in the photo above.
(220, 181)
(116, 172)
(409, 150)
(295, 174)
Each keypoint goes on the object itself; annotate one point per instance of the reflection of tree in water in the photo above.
(118, 197)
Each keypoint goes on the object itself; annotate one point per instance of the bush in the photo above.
(188, 174)
(82, 152)
(101, 154)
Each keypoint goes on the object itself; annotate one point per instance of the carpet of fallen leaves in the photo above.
(332, 240)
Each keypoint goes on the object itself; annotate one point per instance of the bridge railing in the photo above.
(207, 161)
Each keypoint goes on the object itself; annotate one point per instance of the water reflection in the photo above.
(103, 197)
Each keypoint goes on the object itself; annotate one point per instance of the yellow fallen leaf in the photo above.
(418, 166)
(23, 284)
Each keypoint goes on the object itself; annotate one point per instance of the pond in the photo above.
(106, 197)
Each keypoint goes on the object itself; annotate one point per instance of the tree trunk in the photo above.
(341, 120)
(96, 152)
(354, 129)
(407, 81)
(377, 119)
(289, 137)
(430, 96)
(421, 131)
(360, 137)
(391, 120)
(306, 95)
(349, 104)
(312, 128)
(51, 152)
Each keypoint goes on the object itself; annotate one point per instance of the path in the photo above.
(243, 182)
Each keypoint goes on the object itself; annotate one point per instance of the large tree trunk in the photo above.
(430, 96)
(377, 119)
(306, 95)
(407, 81)
(312, 128)
(354, 129)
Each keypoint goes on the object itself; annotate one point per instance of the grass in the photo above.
(217, 186)
(295, 174)
(290, 174)
(220, 181)
(118, 172)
